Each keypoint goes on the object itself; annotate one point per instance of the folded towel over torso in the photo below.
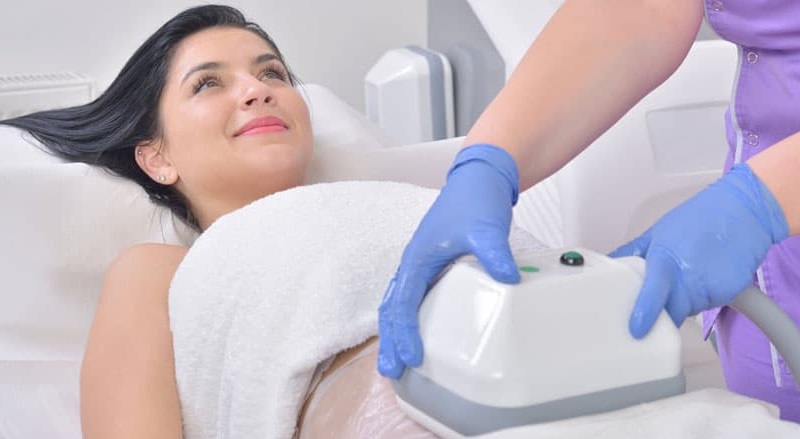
(271, 290)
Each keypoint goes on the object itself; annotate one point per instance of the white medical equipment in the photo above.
(555, 346)
(412, 86)
(667, 147)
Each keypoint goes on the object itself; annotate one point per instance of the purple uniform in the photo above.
(764, 109)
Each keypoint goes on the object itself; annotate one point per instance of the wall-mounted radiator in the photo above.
(22, 94)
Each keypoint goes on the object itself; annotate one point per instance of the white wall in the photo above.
(328, 42)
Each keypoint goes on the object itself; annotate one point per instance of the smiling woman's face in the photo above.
(233, 128)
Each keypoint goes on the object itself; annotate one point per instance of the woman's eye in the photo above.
(273, 74)
(205, 82)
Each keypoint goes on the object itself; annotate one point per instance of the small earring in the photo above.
(139, 152)
(162, 178)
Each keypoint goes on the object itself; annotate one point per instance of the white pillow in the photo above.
(63, 223)
(337, 125)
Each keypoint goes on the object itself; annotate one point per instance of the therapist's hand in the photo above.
(472, 214)
(705, 251)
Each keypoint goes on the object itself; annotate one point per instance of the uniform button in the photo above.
(752, 139)
(716, 6)
(752, 57)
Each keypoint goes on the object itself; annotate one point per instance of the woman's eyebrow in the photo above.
(261, 59)
(205, 66)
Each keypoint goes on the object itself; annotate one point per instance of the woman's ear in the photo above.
(151, 159)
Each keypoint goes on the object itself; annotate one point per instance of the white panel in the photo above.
(513, 24)
(21, 94)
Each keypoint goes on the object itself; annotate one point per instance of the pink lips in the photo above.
(268, 124)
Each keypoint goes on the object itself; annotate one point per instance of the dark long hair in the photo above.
(106, 131)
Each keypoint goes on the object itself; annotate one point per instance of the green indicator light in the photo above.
(528, 269)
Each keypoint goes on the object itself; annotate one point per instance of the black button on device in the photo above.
(571, 258)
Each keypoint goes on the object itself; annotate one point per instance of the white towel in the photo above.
(279, 286)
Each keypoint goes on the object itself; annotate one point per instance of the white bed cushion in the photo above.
(337, 125)
(63, 223)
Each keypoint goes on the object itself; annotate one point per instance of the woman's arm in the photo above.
(588, 66)
(779, 168)
(128, 385)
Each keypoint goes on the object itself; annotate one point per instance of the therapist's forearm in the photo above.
(779, 168)
(592, 62)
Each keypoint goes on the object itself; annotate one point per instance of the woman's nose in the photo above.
(255, 93)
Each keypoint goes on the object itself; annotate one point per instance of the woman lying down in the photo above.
(266, 327)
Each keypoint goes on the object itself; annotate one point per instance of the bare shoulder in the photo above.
(145, 267)
(140, 276)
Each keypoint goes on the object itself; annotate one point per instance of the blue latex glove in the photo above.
(705, 251)
(472, 214)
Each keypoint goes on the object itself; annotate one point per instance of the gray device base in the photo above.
(470, 418)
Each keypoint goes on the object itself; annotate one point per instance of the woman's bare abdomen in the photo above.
(353, 401)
